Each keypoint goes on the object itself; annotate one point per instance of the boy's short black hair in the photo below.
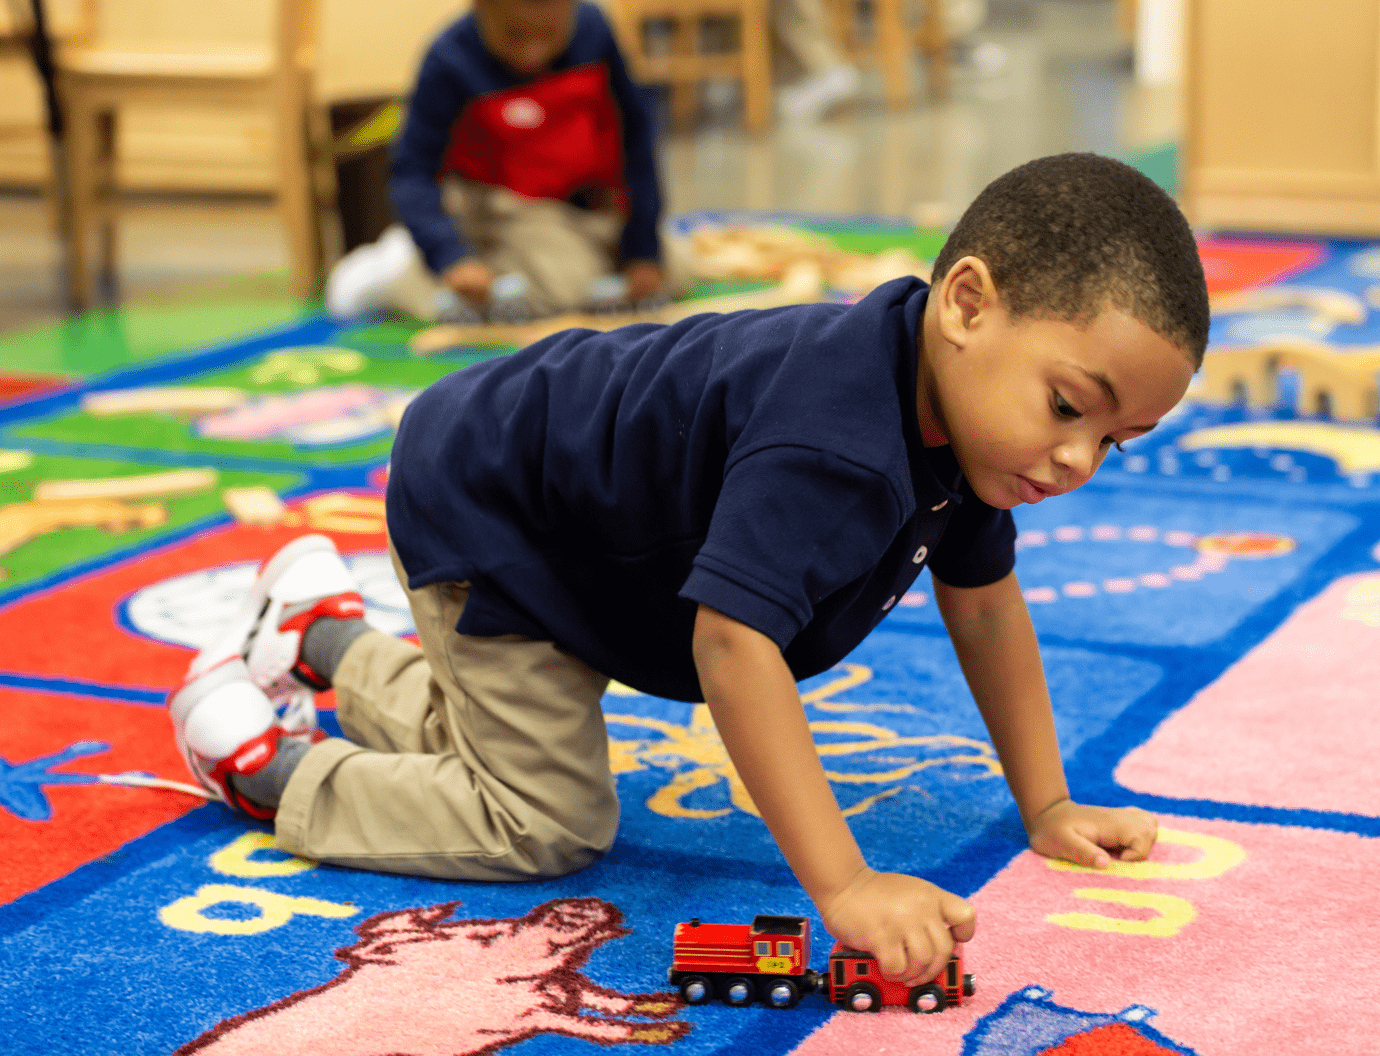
(1067, 235)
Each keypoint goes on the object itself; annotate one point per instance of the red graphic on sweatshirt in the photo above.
(560, 134)
(427, 986)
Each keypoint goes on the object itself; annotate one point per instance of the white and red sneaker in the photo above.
(302, 582)
(224, 725)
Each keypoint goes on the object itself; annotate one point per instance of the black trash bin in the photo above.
(361, 132)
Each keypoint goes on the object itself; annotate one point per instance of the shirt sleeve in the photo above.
(641, 237)
(978, 546)
(436, 103)
(791, 526)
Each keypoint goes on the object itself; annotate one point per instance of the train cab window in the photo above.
(862, 967)
(764, 949)
(783, 949)
(838, 973)
(953, 973)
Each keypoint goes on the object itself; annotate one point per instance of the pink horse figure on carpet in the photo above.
(420, 984)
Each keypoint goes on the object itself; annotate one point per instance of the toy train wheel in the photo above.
(782, 993)
(862, 997)
(969, 985)
(927, 998)
(696, 989)
(738, 991)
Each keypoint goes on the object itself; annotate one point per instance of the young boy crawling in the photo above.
(713, 511)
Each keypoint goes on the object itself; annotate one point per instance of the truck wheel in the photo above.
(782, 993)
(696, 990)
(862, 997)
(927, 998)
(738, 991)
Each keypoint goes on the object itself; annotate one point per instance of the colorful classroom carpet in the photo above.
(1209, 608)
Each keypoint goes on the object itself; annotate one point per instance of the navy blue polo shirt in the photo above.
(595, 488)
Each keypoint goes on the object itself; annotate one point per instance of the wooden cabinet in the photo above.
(1282, 115)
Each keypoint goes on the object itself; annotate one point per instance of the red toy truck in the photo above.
(768, 960)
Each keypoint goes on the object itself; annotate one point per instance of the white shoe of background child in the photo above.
(386, 275)
(816, 95)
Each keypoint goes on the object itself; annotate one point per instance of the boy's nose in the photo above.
(1074, 463)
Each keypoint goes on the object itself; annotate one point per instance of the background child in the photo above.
(715, 510)
(525, 174)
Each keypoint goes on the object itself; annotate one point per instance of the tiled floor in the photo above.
(1041, 76)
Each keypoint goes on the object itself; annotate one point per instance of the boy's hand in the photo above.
(908, 924)
(1085, 835)
(646, 279)
(471, 279)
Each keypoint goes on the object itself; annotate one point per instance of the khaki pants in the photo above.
(469, 758)
(559, 247)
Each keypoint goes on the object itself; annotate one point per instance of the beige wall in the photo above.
(366, 48)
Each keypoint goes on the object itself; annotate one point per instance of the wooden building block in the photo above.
(257, 506)
(173, 482)
(187, 400)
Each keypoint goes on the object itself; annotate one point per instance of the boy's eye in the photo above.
(1064, 409)
(1107, 441)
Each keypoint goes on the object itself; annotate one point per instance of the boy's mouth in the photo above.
(1030, 492)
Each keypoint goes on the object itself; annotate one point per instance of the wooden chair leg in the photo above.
(893, 51)
(934, 41)
(685, 89)
(756, 54)
(297, 202)
(107, 197)
(80, 143)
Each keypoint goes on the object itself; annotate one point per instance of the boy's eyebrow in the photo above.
(1106, 384)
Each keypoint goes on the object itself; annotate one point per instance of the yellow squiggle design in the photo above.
(1172, 913)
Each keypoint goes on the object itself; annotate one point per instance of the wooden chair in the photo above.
(95, 82)
(892, 40)
(685, 66)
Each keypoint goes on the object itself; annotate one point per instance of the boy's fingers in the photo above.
(1082, 851)
(1136, 844)
(893, 959)
(959, 915)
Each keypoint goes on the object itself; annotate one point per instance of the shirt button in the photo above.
(936, 509)
(920, 555)
(889, 602)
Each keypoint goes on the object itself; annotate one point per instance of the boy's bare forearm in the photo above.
(996, 645)
(756, 707)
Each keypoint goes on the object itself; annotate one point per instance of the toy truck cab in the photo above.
(855, 983)
(768, 959)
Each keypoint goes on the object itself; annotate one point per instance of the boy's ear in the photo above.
(965, 295)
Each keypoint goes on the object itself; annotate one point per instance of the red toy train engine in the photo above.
(768, 960)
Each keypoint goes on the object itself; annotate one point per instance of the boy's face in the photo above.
(1032, 406)
(526, 35)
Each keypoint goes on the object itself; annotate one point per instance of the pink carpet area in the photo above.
(1209, 614)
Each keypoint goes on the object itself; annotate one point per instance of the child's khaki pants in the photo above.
(558, 246)
(472, 758)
